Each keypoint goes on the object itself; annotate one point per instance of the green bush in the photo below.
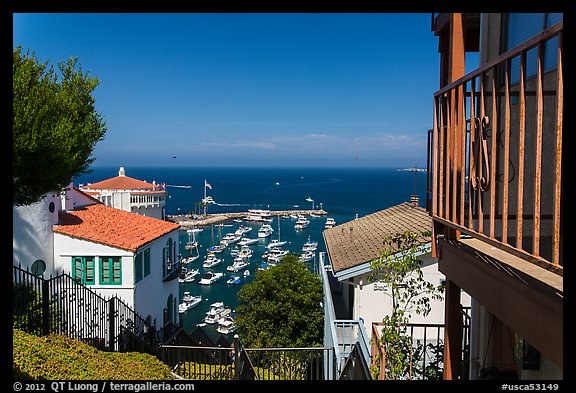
(56, 357)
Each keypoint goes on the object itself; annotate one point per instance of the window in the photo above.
(110, 270)
(38, 267)
(138, 267)
(83, 270)
(146, 262)
(142, 265)
(523, 26)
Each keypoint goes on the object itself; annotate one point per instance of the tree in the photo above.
(55, 126)
(282, 307)
(398, 266)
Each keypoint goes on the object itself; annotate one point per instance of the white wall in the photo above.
(151, 292)
(147, 297)
(372, 304)
(66, 247)
(32, 233)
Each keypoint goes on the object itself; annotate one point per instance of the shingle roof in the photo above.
(121, 183)
(356, 242)
(113, 227)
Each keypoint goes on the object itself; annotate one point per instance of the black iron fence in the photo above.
(62, 305)
(235, 362)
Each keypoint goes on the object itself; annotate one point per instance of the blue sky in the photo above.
(334, 89)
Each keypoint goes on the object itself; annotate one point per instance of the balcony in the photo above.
(171, 270)
(495, 153)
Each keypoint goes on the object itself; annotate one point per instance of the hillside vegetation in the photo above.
(62, 358)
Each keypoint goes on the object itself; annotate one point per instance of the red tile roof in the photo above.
(121, 183)
(113, 227)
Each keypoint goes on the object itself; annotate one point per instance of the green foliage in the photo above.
(57, 357)
(55, 126)
(398, 266)
(282, 307)
(27, 309)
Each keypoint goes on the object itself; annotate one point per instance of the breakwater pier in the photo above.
(186, 220)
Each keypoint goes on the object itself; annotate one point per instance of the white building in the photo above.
(129, 194)
(352, 246)
(112, 251)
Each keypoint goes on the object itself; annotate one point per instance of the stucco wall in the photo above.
(371, 303)
(32, 233)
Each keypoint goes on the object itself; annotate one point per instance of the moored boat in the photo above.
(210, 278)
(265, 231)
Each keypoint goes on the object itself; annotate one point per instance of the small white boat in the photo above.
(239, 263)
(211, 261)
(188, 301)
(226, 325)
(246, 241)
(330, 222)
(242, 230)
(246, 273)
(216, 249)
(230, 238)
(189, 259)
(301, 223)
(307, 256)
(275, 243)
(276, 255)
(265, 231)
(210, 278)
(189, 275)
(216, 312)
(310, 245)
(234, 280)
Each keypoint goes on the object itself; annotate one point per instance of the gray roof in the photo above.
(359, 241)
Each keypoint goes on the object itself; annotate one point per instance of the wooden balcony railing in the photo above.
(495, 152)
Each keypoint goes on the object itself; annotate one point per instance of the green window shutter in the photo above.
(138, 267)
(116, 270)
(90, 278)
(77, 268)
(146, 262)
(110, 271)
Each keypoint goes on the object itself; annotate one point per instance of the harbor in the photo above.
(189, 221)
(218, 256)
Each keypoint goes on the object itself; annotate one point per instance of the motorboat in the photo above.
(265, 231)
(276, 243)
(244, 252)
(189, 259)
(239, 263)
(210, 278)
(211, 261)
(330, 222)
(216, 249)
(188, 301)
(246, 241)
(310, 245)
(301, 223)
(189, 275)
(277, 254)
(234, 280)
(242, 230)
(226, 325)
(216, 312)
(230, 238)
(307, 256)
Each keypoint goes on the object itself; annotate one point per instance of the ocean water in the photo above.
(345, 193)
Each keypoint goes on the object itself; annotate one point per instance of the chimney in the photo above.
(121, 172)
(414, 200)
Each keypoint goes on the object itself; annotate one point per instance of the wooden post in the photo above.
(452, 332)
